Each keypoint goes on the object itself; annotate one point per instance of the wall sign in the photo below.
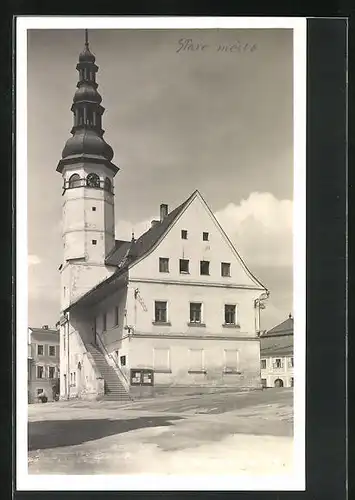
(142, 376)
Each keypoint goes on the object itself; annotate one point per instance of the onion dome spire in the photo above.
(87, 143)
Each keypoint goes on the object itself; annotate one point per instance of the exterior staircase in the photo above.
(114, 389)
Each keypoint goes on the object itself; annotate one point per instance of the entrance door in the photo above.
(279, 382)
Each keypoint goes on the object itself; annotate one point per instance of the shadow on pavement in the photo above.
(57, 433)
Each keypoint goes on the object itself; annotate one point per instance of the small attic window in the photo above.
(205, 236)
(94, 242)
(94, 209)
(183, 234)
(225, 269)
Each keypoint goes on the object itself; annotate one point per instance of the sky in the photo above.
(178, 120)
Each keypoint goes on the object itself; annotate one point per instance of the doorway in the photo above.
(279, 382)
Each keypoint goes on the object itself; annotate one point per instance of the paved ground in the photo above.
(229, 433)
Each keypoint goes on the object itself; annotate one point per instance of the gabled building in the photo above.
(43, 363)
(276, 355)
(175, 309)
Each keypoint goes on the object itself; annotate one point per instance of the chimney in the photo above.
(163, 211)
(45, 327)
(154, 223)
(290, 316)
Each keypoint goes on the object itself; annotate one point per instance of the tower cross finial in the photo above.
(86, 39)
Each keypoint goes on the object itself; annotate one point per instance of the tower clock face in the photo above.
(93, 180)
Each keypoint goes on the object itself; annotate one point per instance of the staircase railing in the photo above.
(113, 359)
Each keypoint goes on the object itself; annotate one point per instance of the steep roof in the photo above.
(126, 253)
(278, 340)
(43, 330)
(284, 328)
(281, 345)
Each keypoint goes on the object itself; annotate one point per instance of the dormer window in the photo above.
(74, 181)
(93, 180)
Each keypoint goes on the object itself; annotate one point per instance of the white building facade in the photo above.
(276, 356)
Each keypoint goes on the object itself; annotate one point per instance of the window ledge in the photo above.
(162, 371)
(197, 371)
(231, 372)
(203, 325)
(161, 323)
(231, 325)
(184, 272)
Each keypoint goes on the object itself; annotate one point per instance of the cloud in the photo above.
(33, 260)
(261, 229)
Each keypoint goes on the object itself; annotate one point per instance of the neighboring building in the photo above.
(43, 362)
(174, 309)
(276, 355)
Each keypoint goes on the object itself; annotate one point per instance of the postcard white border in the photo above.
(29, 482)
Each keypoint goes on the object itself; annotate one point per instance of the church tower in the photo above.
(88, 225)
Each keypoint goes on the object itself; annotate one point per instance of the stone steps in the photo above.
(114, 389)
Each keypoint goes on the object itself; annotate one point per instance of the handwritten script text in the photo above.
(188, 45)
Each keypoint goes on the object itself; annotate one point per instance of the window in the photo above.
(229, 314)
(160, 312)
(184, 234)
(93, 209)
(161, 360)
(204, 267)
(225, 269)
(123, 360)
(51, 371)
(104, 321)
(290, 362)
(116, 315)
(40, 350)
(277, 363)
(263, 382)
(205, 236)
(195, 312)
(163, 265)
(291, 382)
(74, 378)
(52, 350)
(196, 361)
(263, 364)
(40, 372)
(74, 181)
(94, 242)
(231, 360)
(108, 185)
(184, 266)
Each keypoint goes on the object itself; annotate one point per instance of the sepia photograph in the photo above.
(163, 200)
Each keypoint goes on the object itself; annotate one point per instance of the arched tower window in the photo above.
(108, 185)
(74, 181)
(93, 180)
